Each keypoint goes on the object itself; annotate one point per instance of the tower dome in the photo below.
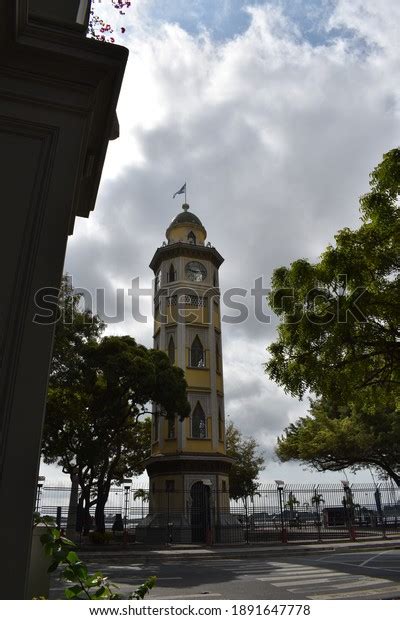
(186, 227)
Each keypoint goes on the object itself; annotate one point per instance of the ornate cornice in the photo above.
(54, 62)
(189, 250)
(188, 462)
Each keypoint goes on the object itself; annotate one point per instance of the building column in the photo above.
(56, 113)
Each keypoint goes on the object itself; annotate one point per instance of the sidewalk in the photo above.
(138, 552)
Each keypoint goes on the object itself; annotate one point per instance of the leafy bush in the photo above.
(94, 586)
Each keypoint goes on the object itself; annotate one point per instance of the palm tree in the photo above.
(143, 495)
(318, 499)
(291, 503)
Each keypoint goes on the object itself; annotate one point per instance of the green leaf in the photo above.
(81, 571)
(69, 574)
(72, 557)
(46, 538)
(73, 592)
(143, 589)
(67, 541)
(100, 594)
(48, 548)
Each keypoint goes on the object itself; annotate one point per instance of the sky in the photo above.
(274, 113)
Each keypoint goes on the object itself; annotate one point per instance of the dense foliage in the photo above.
(340, 338)
(248, 462)
(350, 438)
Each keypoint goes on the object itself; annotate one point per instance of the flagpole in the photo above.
(185, 192)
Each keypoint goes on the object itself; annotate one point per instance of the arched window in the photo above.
(171, 273)
(171, 428)
(220, 425)
(197, 357)
(191, 238)
(171, 350)
(199, 428)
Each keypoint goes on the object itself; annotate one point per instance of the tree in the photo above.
(317, 499)
(247, 465)
(98, 28)
(291, 503)
(99, 388)
(340, 336)
(350, 438)
(341, 316)
(143, 495)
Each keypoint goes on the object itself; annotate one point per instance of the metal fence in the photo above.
(274, 513)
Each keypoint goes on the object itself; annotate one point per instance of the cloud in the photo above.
(275, 134)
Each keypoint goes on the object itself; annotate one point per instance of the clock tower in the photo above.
(188, 467)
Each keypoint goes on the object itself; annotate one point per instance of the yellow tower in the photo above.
(188, 468)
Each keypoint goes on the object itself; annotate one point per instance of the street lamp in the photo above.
(40, 483)
(127, 485)
(280, 484)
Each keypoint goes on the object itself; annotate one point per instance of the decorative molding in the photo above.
(19, 299)
(187, 250)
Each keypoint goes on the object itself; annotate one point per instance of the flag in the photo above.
(181, 191)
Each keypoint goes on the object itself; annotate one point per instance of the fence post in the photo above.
(349, 509)
(58, 517)
(246, 512)
(378, 502)
(284, 535)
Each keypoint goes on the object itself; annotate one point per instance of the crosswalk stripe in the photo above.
(185, 596)
(358, 593)
(298, 582)
(359, 584)
(274, 577)
(286, 564)
(305, 569)
(336, 585)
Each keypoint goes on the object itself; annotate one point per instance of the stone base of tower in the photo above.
(161, 529)
(189, 501)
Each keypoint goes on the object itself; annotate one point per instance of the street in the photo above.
(354, 575)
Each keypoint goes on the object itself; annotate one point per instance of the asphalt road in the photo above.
(358, 575)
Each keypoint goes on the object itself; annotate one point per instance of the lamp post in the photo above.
(41, 480)
(280, 486)
(127, 486)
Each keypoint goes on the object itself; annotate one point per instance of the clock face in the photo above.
(196, 272)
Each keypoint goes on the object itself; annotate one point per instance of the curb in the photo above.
(190, 555)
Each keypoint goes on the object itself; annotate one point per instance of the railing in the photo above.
(291, 513)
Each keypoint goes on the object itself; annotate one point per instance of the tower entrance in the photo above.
(200, 512)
